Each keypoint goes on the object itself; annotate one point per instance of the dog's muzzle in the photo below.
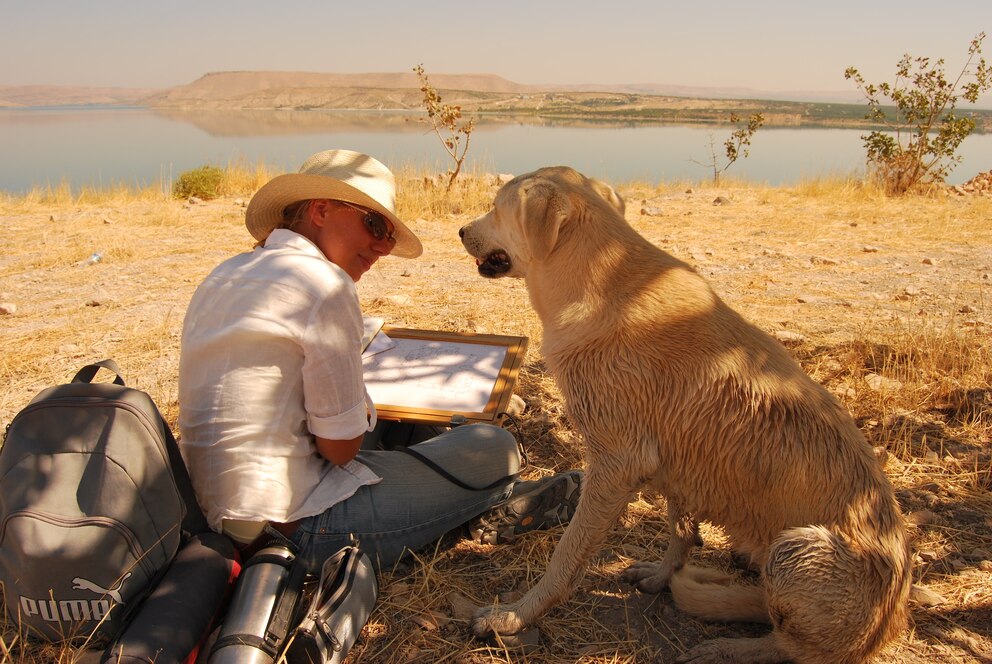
(495, 264)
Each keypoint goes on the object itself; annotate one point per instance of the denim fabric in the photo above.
(413, 506)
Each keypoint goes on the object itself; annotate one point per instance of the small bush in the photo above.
(203, 182)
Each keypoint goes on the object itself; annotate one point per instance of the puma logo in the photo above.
(79, 583)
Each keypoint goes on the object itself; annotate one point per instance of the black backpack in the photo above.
(95, 505)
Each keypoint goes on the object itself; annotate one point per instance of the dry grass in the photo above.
(886, 302)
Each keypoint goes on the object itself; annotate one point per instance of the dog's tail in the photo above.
(714, 595)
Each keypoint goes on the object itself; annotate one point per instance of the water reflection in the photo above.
(102, 146)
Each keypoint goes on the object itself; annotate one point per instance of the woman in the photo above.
(273, 407)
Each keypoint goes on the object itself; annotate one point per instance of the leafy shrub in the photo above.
(921, 145)
(203, 182)
(446, 118)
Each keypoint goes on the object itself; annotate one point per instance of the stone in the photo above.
(881, 383)
(7, 308)
(788, 336)
(919, 517)
(924, 596)
(462, 608)
(517, 406)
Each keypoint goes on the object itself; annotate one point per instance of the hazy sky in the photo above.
(763, 44)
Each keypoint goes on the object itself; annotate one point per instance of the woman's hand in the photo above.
(339, 452)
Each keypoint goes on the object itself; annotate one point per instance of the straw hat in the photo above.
(340, 175)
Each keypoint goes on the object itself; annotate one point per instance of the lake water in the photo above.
(99, 147)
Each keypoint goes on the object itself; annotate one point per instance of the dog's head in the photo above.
(527, 217)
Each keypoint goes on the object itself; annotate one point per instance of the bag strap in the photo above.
(88, 373)
(194, 522)
(286, 607)
(448, 476)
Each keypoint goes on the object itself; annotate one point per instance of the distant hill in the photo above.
(299, 90)
(475, 93)
(53, 95)
(272, 89)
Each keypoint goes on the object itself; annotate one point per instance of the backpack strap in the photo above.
(88, 373)
(194, 522)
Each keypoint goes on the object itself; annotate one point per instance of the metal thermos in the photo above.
(242, 637)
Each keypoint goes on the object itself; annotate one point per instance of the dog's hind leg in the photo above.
(655, 577)
(605, 493)
(832, 599)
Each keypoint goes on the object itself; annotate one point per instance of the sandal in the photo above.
(535, 505)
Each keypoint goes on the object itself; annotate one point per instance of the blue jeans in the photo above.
(413, 506)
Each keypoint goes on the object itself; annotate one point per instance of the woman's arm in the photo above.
(339, 452)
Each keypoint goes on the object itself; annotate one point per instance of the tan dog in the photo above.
(672, 388)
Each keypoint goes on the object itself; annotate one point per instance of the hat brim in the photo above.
(265, 209)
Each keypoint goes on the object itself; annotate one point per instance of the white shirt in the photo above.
(271, 356)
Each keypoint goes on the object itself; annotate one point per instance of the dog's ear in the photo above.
(609, 194)
(543, 208)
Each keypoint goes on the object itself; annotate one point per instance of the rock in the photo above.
(788, 336)
(401, 300)
(193, 200)
(823, 260)
(928, 261)
(516, 407)
(868, 249)
(721, 200)
(462, 608)
(980, 554)
(966, 309)
(881, 383)
(919, 517)
(924, 596)
(912, 291)
(651, 211)
(7, 308)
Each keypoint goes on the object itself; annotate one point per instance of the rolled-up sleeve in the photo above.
(333, 385)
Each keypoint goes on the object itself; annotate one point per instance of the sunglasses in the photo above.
(375, 223)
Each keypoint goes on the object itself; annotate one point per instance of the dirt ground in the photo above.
(885, 301)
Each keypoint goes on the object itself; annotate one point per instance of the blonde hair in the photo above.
(294, 213)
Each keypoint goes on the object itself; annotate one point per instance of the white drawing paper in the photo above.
(438, 375)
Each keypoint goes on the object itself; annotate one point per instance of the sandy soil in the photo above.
(834, 275)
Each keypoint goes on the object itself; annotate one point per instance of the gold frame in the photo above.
(502, 389)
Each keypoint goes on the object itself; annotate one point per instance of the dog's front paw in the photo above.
(648, 577)
(496, 620)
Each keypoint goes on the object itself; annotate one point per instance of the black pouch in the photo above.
(339, 607)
